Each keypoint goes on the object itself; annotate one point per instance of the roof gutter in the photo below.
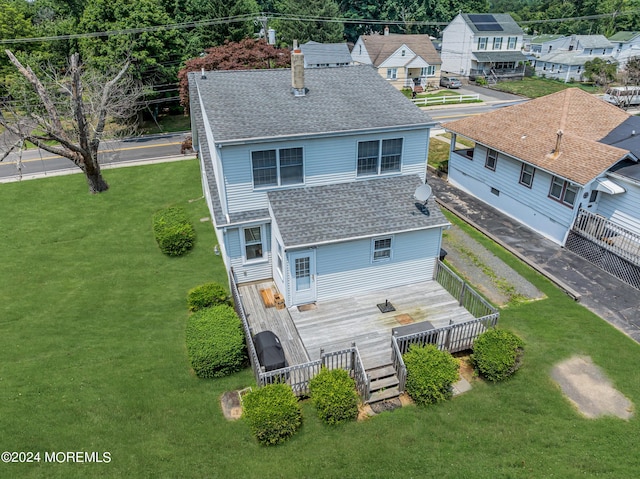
(304, 136)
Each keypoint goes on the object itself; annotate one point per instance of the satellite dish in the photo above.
(423, 193)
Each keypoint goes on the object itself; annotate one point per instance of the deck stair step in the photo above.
(383, 383)
(384, 395)
(381, 372)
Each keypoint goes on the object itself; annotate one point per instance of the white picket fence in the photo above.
(444, 100)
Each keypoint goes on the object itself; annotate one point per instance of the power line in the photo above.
(282, 17)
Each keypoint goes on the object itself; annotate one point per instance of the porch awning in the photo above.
(495, 57)
(609, 187)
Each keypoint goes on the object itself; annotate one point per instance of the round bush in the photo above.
(430, 374)
(273, 413)
(207, 295)
(334, 396)
(173, 231)
(215, 342)
(497, 354)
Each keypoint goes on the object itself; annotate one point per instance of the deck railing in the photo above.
(608, 235)
(398, 364)
(248, 333)
(465, 294)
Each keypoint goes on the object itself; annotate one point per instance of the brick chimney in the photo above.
(297, 71)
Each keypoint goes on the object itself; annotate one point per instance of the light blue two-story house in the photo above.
(310, 179)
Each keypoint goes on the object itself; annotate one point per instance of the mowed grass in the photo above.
(534, 87)
(92, 358)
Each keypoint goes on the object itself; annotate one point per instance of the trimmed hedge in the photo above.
(334, 396)
(174, 232)
(430, 374)
(215, 342)
(273, 413)
(497, 354)
(207, 295)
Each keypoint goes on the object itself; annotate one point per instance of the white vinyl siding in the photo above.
(326, 161)
(345, 269)
(531, 206)
(622, 208)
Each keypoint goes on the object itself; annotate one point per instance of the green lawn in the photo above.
(534, 87)
(92, 358)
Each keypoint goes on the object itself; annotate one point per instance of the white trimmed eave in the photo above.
(354, 238)
(607, 186)
(304, 136)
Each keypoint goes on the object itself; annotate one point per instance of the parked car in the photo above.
(450, 82)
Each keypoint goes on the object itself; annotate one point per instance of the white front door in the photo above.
(302, 267)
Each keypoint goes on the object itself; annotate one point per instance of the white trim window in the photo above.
(497, 43)
(526, 175)
(253, 243)
(563, 191)
(392, 73)
(428, 71)
(511, 43)
(492, 159)
(379, 157)
(381, 249)
(279, 260)
(482, 43)
(281, 167)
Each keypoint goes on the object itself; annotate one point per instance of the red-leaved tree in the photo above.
(247, 54)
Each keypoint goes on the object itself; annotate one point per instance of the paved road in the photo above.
(36, 162)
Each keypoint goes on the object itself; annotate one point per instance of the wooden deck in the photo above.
(334, 325)
(279, 321)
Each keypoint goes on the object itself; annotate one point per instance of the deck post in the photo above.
(462, 292)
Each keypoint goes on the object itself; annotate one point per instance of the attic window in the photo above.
(404, 52)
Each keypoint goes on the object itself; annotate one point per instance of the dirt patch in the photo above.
(231, 405)
(589, 390)
(466, 368)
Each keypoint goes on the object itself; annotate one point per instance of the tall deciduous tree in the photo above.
(600, 71)
(290, 28)
(70, 115)
(244, 55)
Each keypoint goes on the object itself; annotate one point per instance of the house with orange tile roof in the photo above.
(405, 61)
(560, 164)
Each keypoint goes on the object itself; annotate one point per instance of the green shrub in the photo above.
(215, 342)
(430, 374)
(273, 413)
(207, 295)
(173, 231)
(334, 396)
(497, 354)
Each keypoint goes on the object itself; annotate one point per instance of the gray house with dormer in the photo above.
(564, 58)
(311, 184)
(321, 55)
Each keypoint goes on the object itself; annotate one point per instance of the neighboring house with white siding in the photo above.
(548, 160)
(405, 61)
(311, 184)
(564, 58)
(626, 45)
(487, 45)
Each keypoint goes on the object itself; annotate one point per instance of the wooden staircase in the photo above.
(384, 384)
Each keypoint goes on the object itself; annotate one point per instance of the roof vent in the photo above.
(202, 75)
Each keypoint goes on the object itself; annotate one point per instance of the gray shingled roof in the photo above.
(258, 104)
(500, 56)
(325, 53)
(360, 209)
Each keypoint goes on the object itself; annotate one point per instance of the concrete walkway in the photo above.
(605, 295)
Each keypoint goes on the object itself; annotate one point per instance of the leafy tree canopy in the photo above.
(304, 31)
(246, 54)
